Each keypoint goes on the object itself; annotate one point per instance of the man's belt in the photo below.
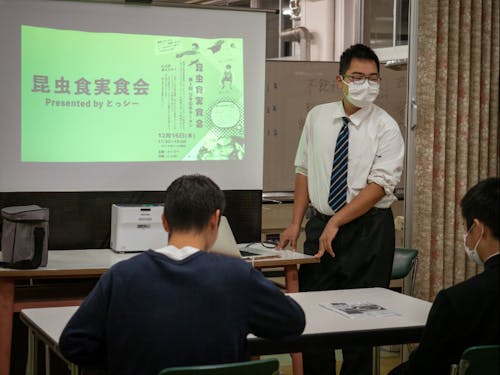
(318, 215)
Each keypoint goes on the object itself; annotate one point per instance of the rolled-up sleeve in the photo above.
(388, 163)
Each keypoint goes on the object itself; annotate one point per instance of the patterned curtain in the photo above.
(456, 140)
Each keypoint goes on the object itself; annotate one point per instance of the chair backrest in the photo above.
(259, 367)
(404, 263)
(480, 360)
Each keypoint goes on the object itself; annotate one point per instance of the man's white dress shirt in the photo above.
(376, 152)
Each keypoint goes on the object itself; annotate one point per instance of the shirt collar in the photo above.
(356, 118)
(177, 254)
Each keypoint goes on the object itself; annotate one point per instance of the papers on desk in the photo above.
(358, 310)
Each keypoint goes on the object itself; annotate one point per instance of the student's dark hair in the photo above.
(482, 202)
(357, 51)
(190, 201)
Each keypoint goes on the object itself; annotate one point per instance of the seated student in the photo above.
(178, 305)
(466, 314)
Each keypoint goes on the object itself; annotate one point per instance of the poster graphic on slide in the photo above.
(110, 97)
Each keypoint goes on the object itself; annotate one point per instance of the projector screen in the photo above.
(99, 96)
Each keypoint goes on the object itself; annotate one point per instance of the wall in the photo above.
(82, 220)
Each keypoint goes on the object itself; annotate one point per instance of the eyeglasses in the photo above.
(359, 79)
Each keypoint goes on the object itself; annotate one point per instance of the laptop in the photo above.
(226, 245)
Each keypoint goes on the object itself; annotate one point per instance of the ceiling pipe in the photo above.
(303, 36)
(397, 64)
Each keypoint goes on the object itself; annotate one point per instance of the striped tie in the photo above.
(338, 180)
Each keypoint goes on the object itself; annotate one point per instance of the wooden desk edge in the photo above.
(43, 272)
(280, 262)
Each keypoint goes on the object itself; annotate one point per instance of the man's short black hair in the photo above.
(190, 201)
(482, 202)
(357, 51)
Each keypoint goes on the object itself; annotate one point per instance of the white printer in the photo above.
(137, 227)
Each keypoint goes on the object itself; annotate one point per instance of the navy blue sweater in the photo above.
(151, 312)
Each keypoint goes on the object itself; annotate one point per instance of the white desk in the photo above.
(92, 263)
(323, 327)
(46, 324)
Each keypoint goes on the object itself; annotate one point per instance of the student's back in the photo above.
(152, 312)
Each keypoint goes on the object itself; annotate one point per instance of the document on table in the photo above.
(356, 310)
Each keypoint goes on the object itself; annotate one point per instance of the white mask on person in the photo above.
(362, 95)
(472, 253)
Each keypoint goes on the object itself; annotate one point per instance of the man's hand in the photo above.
(358, 206)
(289, 236)
(326, 238)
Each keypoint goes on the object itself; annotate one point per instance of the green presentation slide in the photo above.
(110, 97)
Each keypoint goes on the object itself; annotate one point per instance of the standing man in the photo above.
(178, 305)
(348, 162)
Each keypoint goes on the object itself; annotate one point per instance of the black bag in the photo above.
(25, 232)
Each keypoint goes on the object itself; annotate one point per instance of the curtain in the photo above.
(456, 139)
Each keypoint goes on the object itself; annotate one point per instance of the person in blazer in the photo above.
(466, 314)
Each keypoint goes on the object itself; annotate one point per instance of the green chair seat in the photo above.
(259, 367)
(479, 360)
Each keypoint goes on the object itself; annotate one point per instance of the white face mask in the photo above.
(472, 253)
(362, 95)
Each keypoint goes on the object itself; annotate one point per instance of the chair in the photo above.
(478, 360)
(259, 367)
(404, 264)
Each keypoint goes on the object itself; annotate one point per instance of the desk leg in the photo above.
(376, 360)
(47, 360)
(292, 278)
(6, 317)
(74, 370)
(292, 286)
(297, 364)
(31, 361)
